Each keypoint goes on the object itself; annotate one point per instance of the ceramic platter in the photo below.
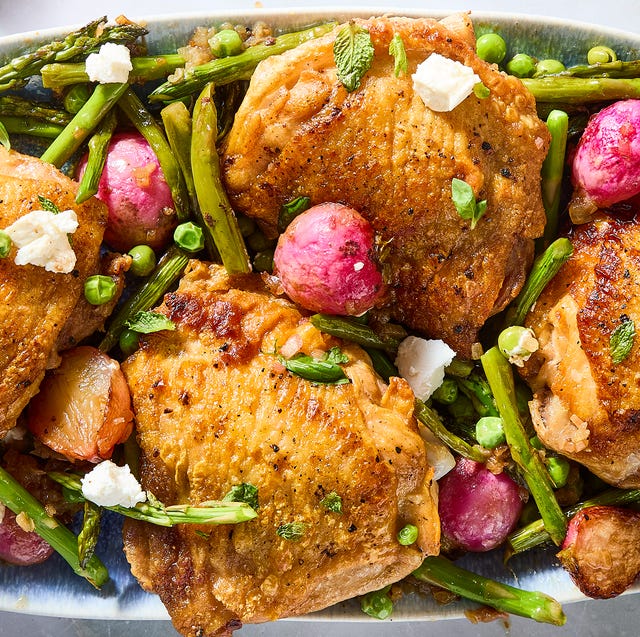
(53, 589)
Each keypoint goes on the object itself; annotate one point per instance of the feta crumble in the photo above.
(111, 65)
(108, 484)
(442, 83)
(41, 238)
(421, 363)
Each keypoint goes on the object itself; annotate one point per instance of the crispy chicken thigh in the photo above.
(216, 408)
(381, 151)
(34, 303)
(587, 406)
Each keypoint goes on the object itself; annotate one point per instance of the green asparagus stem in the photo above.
(4, 137)
(236, 67)
(441, 572)
(430, 419)
(619, 68)
(574, 90)
(15, 106)
(228, 100)
(534, 534)
(153, 511)
(88, 38)
(85, 120)
(218, 217)
(30, 126)
(19, 500)
(500, 377)
(381, 363)
(168, 270)
(56, 76)
(351, 330)
(98, 146)
(147, 126)
(88, 536)
(552, 171)
(478, 391)
(544, 268)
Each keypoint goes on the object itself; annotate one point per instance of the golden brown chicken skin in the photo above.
(587, 406)
(34, 303)
(381, 151)
(215, 408)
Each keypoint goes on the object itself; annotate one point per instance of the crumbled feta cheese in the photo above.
(107, 484)
(41, 237)
(421, 363)
(442, 83)
(358, 266)
(111, 65)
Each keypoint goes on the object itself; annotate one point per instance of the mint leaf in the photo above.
(621, 340)
(4, 137)
(397, 50)
(48, 205)
(353, 55)
(291, 210)
(332, 502)
(465, 201)
(149, 322)
(291, 531)
(243, 492)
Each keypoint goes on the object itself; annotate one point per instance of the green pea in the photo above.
(521, 65)
(447, 392)
(76, 97)
(601, 55)
(491, 48)
(5, 244)
(408, 534)
(549, 67)
(490, 432)
(263, 261)
(481, 91)
(377, 603)
(517, 343)
(99, 289)
(189, 237)
(558, 470)
(143, 260)
(129, 342)
(226, 43)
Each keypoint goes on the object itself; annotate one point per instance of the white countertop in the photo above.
(614, 618)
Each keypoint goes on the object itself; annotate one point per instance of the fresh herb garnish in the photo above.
(4, 137)
(397, 50)
(243, 492)
(481, 91)
(332, 502)
(621, 340)
(465, 202)
(48, 205)
(149, 322)
(291, 210)
(324, 370)
(353, 54)
(292, 531)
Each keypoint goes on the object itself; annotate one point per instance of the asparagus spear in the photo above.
(30, 126)
(15, 106)
(477, 390)
(381, 363)
(500, 377)
(58, 75)
(430, 419)
(534, 534)
(441, 572)
(90, 37)
(573, 90)
(545, 267)
(98, 146)
(218, 216)
(351, 330)
(552, 171)
(85, 120)
(218, 512)
(4, 137)
(88, 536)
(19, 500)
(236, 67)
(618, 68)
(148, 127)
(168, 270)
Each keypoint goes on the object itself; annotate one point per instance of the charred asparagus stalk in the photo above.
(574, 90)
(15, 106)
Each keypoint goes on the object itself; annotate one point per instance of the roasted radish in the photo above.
(83, 408)
(18, 544)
